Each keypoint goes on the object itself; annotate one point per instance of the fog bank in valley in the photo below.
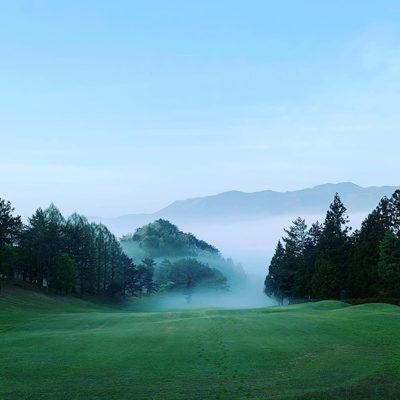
(251, 295)
(253, 242)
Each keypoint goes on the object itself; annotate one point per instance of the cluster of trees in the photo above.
(182, 256)
(327, 258)
(73, 254)
(161, 238)
(186, 273)
(68, 254)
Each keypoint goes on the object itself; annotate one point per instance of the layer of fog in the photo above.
(252, 243)
(251, 295)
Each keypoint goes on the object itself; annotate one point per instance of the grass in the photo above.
(64, 348)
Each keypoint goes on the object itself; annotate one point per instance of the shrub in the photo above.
(387, 300)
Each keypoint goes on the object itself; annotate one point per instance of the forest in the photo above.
(73, 255)
(321, 262)
(329, 261)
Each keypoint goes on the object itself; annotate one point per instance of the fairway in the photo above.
(59, 348)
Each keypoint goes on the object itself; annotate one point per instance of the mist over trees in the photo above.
(181, 257)
(320, 262)
(67, 254)
(86, 258)
(162, 238)
(186, 273)
(315, 262)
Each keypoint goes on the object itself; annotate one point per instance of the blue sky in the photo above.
(111, 108)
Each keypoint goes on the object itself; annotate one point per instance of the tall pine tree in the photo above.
(333, 255)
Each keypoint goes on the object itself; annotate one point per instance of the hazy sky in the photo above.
(118, 107)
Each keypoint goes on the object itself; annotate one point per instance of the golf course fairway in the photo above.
(64, 348)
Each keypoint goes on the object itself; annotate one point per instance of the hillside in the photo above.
(21, 298)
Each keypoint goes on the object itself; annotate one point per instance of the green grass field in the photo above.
(64, 348)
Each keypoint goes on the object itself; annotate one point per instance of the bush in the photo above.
(391, 300)
(387, 300)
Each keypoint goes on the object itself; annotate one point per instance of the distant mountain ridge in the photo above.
(239, 206)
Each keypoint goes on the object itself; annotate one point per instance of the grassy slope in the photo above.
(58, 348)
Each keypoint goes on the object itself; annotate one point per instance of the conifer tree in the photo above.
(10, 229)
(272, 282)
(363, 269)
(389, 265)
(303, 279)
(333, 254)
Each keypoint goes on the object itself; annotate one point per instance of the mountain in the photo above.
(235, 206)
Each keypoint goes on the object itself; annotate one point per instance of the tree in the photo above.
(389, 264)
(296, 238)
(166, 287)
(333, 257)
(161, 238)
(303, 286)
(146, 268)
(394, 206)
(36, 244)
(79, 243)
(280, 281)
(10, 228)
(363, 276)
(189, 286)
(201, 275)
(62, 273)
(295, 244)
(55, 231)
(272, 282)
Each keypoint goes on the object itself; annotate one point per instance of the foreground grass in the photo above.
(57, 348)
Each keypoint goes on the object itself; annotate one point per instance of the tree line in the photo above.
(322, 261)
(68, 255)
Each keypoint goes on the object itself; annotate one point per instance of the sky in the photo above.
(111, 108)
